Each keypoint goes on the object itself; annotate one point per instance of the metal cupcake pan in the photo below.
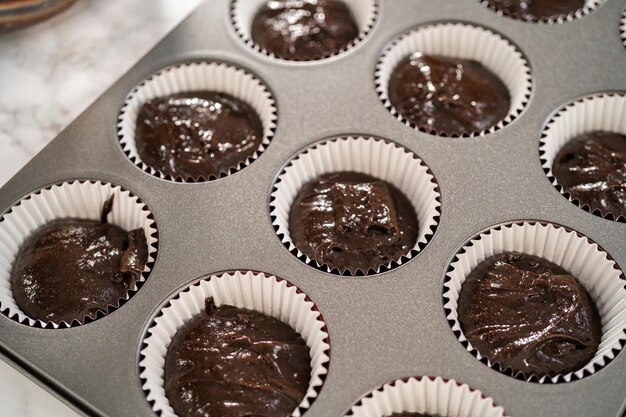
(382, 327)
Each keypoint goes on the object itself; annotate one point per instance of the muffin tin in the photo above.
(382, 327)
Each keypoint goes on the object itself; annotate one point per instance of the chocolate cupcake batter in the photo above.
(592, 169)
(234, 362)
(304, 29)
(70, 269)
(197, 134)
(352, 221)
(530, 315)
(448, 96)
(533, 10)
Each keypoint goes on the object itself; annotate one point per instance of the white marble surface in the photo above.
(49, 74)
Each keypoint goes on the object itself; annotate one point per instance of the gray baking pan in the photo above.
(382, 327)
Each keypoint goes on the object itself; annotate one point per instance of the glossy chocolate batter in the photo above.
(303, 29)
(592, 169)
(70, 269)
(197, 133)
(529, 315)
(533, 10)
(352, 221)
(233, 362)
(448, 96)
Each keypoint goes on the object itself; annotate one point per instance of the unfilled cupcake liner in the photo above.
(256, 291)
(242, 12)
(590, 6)
(377, 157)
(430, 395)
(458, 40)
(594, 112)
(212, 76)
(75, 199)
(578, 255)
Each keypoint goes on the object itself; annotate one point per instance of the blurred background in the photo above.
(50, 72)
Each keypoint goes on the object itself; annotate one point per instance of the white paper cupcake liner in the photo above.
(377, 157)
(75, 199)
(251, 290)
(590, 6)
(594, 112)
(583, 258)
(461, 41)
(430, 395)
(242, 14)
(212, 76)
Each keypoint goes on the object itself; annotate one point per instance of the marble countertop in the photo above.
(49, 74)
